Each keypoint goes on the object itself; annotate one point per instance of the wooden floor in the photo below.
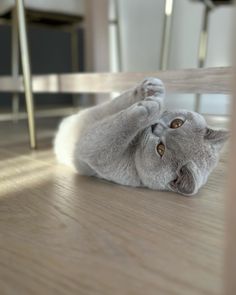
(65, 234)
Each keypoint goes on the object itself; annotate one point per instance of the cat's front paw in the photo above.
(146, 112)
(150, 87)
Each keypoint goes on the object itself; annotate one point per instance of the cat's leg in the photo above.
(151, 88)
(104, 145)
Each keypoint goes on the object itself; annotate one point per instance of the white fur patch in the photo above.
(66, 139)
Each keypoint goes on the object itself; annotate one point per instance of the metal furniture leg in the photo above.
(26, 70)
(166, 34)
(118, 36)
(74, 59)
(15, 62)
(202, 51)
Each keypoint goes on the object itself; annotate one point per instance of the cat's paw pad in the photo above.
(151, 87)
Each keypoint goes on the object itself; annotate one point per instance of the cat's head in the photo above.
(179, 152)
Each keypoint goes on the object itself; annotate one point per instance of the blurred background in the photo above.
(144, 36)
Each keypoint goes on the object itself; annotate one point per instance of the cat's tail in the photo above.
(66, 139)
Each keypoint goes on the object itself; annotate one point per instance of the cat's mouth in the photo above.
(153, 127)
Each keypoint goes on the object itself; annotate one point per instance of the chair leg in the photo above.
(15, 62)
(202, 52)
(118, 36)
(169, 4)
(26, 70)
(74, 59)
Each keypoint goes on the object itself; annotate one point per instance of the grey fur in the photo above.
(117, 141)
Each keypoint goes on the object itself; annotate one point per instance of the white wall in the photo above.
(141, 32)
(141, 35)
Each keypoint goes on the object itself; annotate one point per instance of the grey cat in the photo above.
(130, 140)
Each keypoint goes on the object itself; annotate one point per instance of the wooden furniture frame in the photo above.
(198, 81)
(207, 80)
(230, 261)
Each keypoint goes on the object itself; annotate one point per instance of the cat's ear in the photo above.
(216, 137)
(187, 181)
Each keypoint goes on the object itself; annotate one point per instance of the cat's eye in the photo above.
(160, 148)
(176, 123)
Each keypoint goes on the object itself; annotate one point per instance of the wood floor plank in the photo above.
(61, 233)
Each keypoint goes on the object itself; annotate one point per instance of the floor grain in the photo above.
(65, 234)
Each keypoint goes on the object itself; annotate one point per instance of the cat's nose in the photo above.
(158, 129)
